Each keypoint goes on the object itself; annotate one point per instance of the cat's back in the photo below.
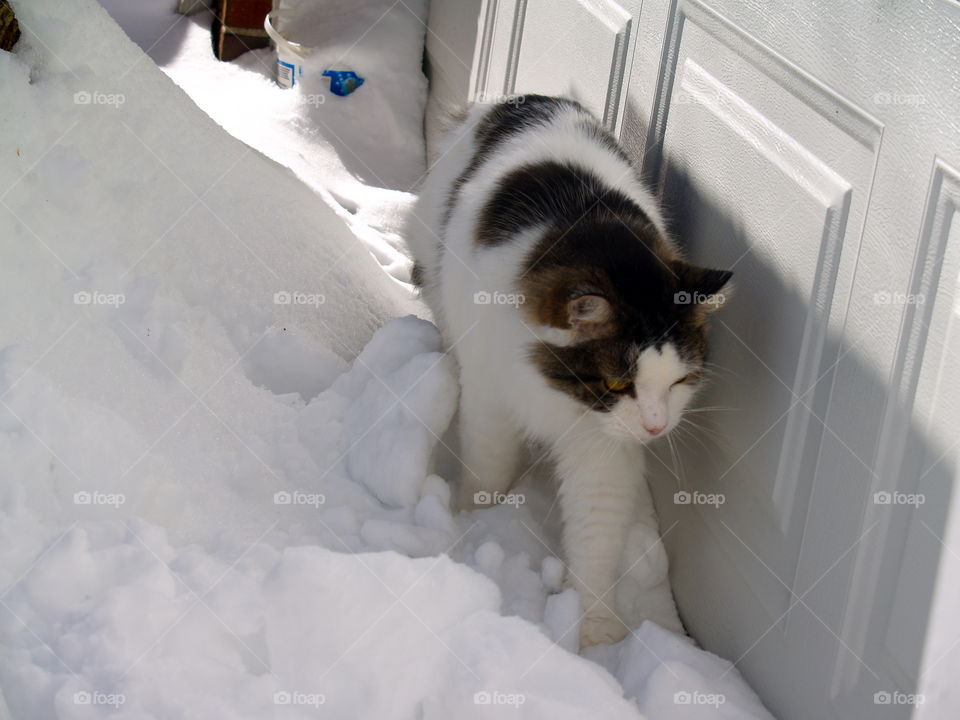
(481, 141)
(486, 137)
(527, 131)
(531, 161)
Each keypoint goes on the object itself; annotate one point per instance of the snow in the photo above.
(363, 162)
(225, 436)
(405, 359)
(668, 677)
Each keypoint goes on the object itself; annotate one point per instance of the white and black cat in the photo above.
(573, 316)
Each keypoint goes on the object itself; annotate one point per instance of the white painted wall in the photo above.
(451, 57)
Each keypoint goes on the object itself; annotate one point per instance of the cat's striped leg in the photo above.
(490, 447)
(599, 485)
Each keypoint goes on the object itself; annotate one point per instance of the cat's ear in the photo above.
(705, 288)
(711, 282)
(590, 316)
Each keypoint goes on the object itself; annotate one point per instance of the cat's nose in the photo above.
(653, 429)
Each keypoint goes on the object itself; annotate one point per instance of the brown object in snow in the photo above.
(9, 27)
(238, 27)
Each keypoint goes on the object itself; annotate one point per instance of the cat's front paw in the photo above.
(601, 629)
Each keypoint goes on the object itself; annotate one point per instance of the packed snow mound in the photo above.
(105, 611)
(431, 626)
(421, 394)
(138, 627)
(106, 159)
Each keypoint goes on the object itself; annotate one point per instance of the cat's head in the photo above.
(622, 321)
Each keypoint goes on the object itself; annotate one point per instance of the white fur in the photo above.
(599, 456)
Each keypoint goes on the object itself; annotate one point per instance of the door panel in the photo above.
(894, 576)
(812, 146)
(585, 56)
(761, 158)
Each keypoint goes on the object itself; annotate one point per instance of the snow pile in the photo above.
(362, 153)
(421, 394)
(669, 678)
(458, 659)
(218, 497)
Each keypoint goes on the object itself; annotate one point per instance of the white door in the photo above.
(814, 148)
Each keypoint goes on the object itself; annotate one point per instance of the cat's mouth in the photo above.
(617, 428)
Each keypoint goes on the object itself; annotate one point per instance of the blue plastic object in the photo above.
(343, 82)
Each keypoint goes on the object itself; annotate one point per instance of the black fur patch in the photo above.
(417, 275)
(580, 370)
(552, 193)
(499, 124)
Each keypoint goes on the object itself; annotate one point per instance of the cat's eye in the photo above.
(616, 384)
(687, 379)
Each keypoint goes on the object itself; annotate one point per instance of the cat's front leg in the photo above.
(489, 443)
(599, 488)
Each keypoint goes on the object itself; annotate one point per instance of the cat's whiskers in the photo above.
(678, 470)
(710, 369)
(683, 432)
(712, 408)
(704, 437)
(682, 442)
(701, 426)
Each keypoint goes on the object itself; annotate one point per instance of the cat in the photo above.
(575, 320)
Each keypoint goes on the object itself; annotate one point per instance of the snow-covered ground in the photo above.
(218, 416)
